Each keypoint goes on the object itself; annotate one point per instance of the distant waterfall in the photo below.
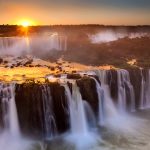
(13, 45)
(46, 43)
(26, 45)
(9, 110)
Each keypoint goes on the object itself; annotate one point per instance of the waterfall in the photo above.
(124, 86)
(89, 115)
(13, 118)
(13, 45)
(54, 41)
(121, 91)
(78, 120)
(9, 109)
(112, 113)
(27, 45)
(109, 107)
(50, 124)
(145, 90)
(100, 93)
(80, 114)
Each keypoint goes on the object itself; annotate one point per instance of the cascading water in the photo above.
(112, 115)
(78, 120)
(50, 124)
(142, 92)
(112, 112)
(109, 106)
(100, 93)
(9, 109)
(13, 117)
(145, 90)
(79, 111)
(125, 87)
(89, 115)
(57, 42)
(10, 138)
(147, 95)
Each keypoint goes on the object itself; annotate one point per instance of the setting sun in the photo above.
(25, 24)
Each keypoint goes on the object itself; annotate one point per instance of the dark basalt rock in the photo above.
(145, 74)
(70, 86)
(60, 107)
(5, 62)
(1, 60)
(74, 71)
(1, 113)
(88, 91)
(51, 68)
(96, 77)
(30, 108)
(73, 76)
(28, 62)
(57, 75)
(136, 79)
(113, 83)
(58, 63)
(11, 66)
(29, 103)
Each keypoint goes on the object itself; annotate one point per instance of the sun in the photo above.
(25, 24)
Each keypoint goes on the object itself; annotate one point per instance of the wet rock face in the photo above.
(145, 74)
(73, 76)
(88, 91)
(113, 83)
(30, 107)
(136, 79)
(60, 107)
(1, 114)
(1, 60)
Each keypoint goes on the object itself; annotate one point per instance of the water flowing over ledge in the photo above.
(74, 105)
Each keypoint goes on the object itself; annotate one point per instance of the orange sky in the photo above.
(13, 12)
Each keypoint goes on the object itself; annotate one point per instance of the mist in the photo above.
(35, 44)
(111, 35)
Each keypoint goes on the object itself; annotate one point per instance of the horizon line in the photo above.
(91, 24)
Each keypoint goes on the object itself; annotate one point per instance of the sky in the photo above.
(49, 12)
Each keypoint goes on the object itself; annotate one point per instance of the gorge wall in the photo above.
(47, 109)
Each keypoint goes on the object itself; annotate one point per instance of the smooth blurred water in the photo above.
(130, 132)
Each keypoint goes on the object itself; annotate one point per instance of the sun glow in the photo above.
(26, 23)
